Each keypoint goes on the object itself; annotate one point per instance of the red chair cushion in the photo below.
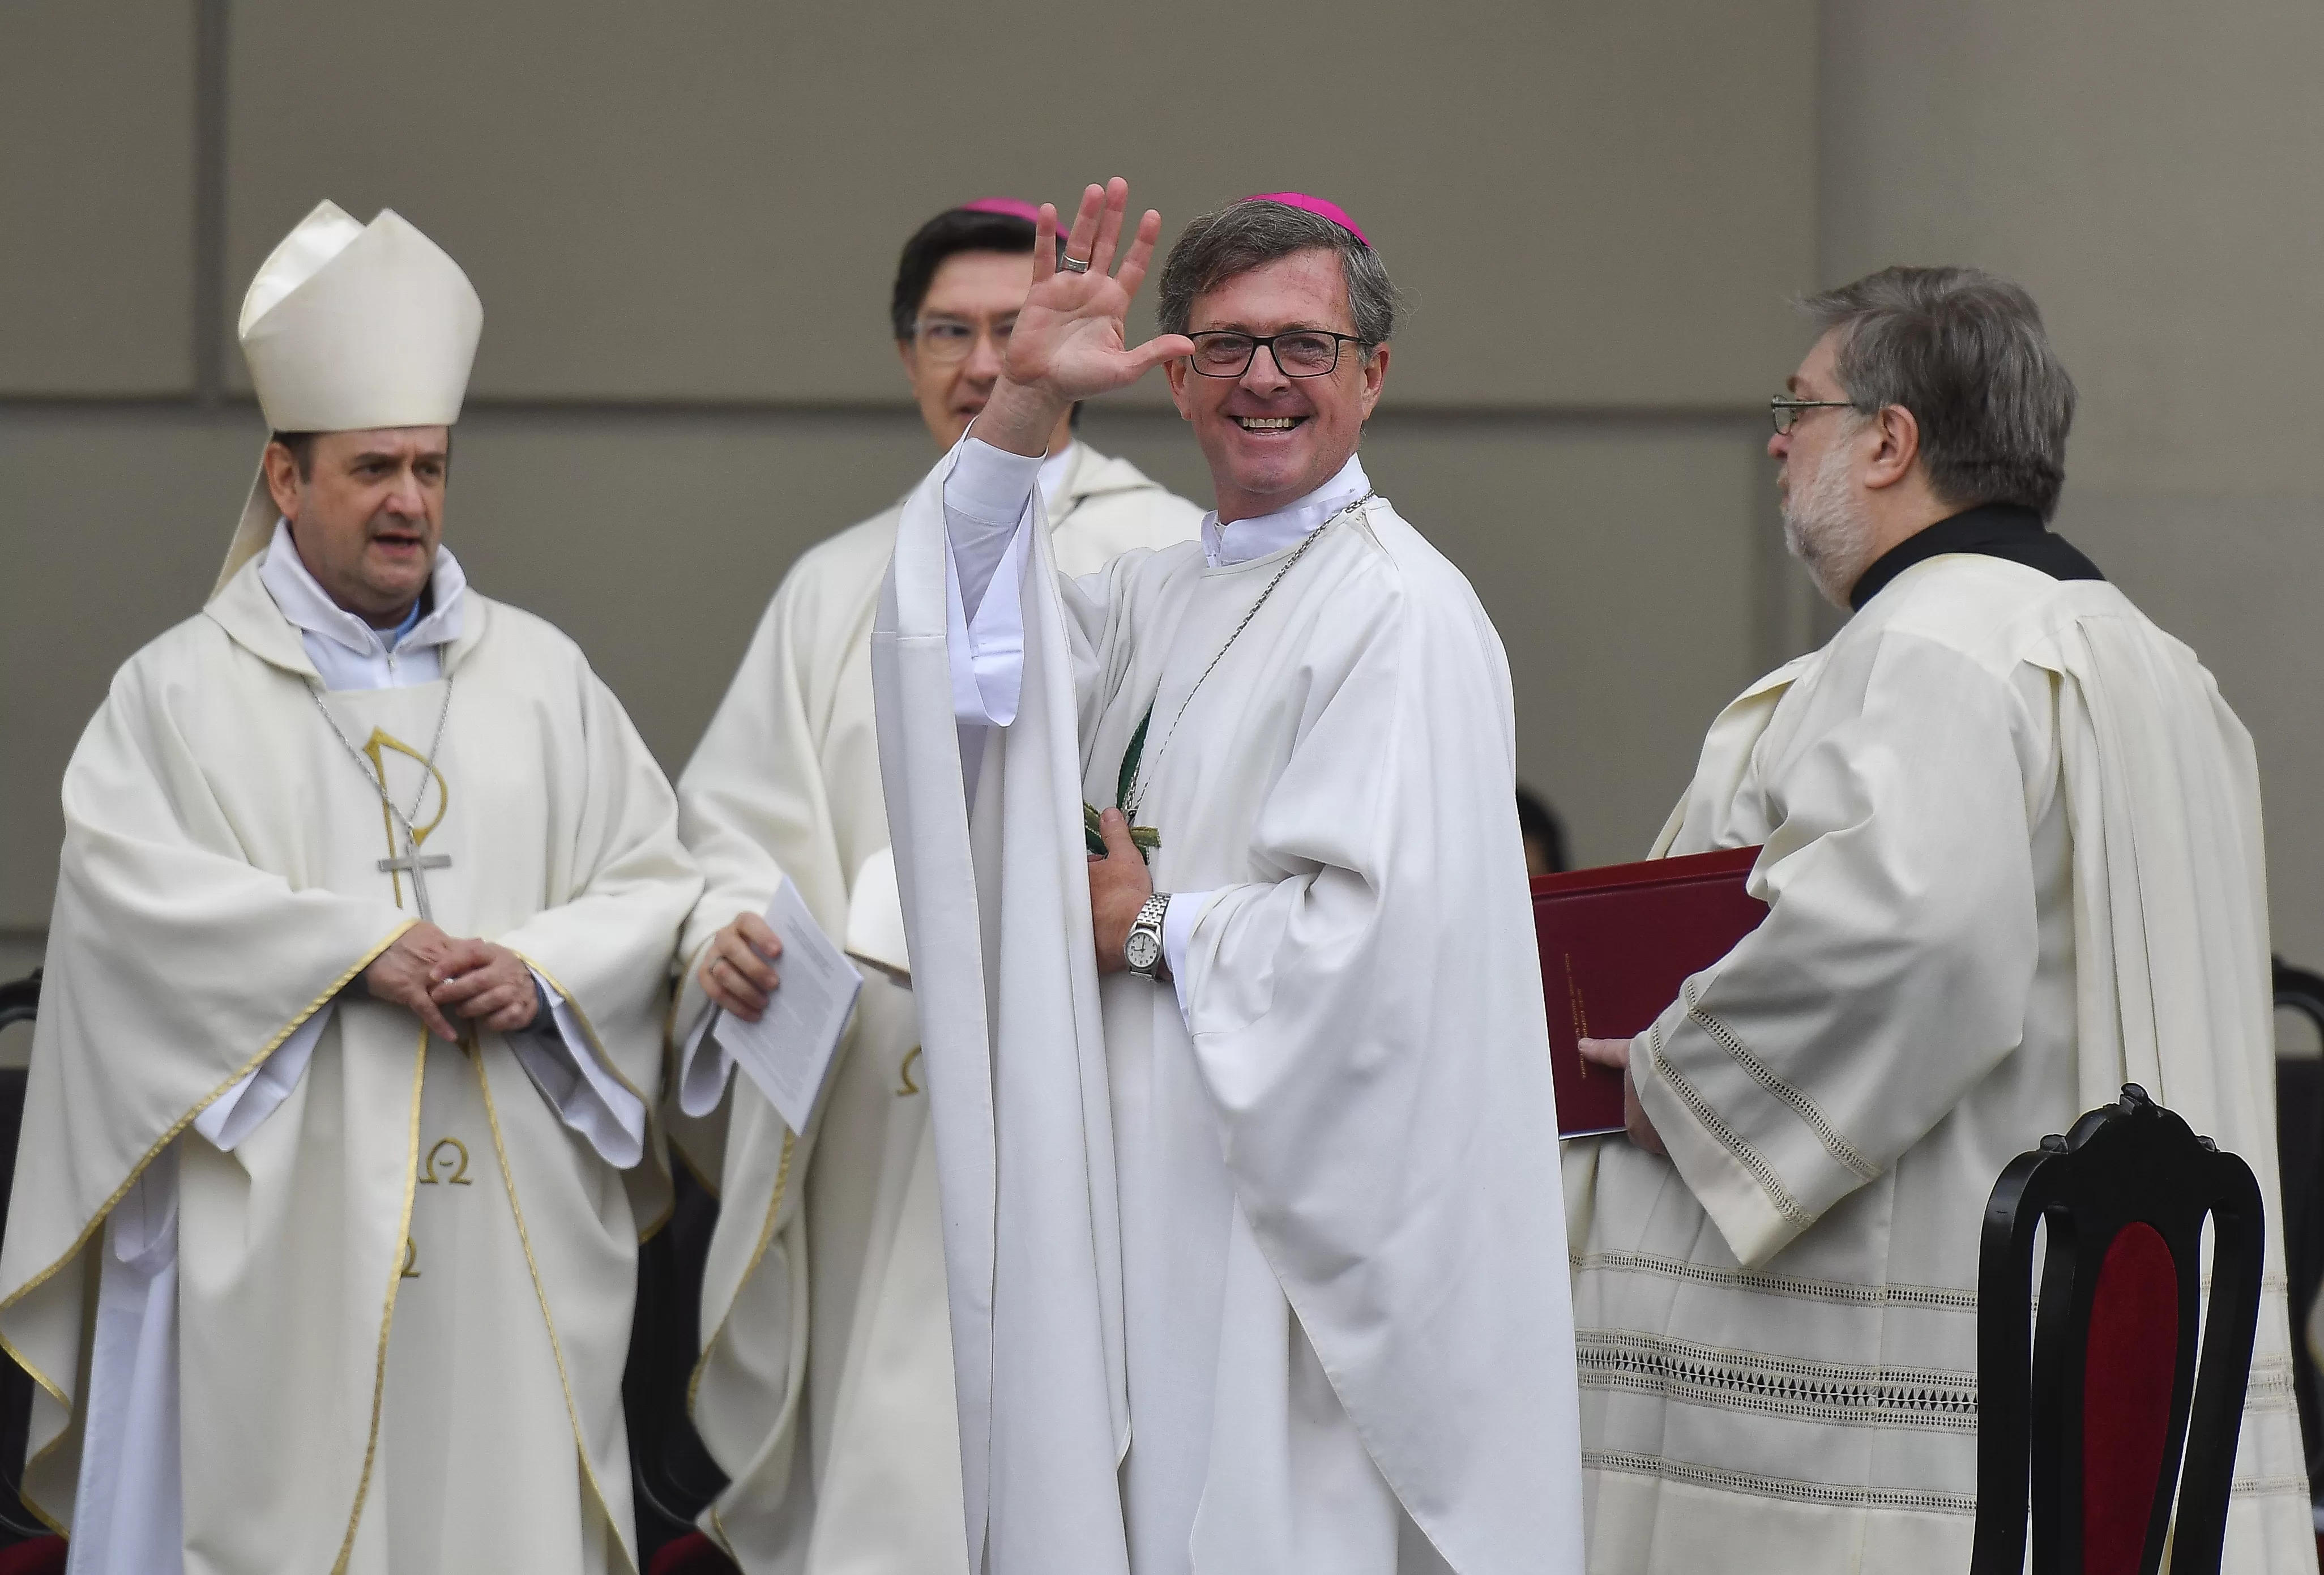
(2126, 1381)
(691, 1555)
(41, 1556)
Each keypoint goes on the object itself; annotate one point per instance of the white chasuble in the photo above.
(403, 1299)
(2013, 862)
(1286, 1291)
(826, 1387)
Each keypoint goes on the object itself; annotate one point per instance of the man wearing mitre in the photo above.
(1246, 1153)
(2012, 859)
(787, 781)
(322, 1247)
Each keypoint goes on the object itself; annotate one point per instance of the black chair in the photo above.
(673, 1476)
(20, 1002)
(2111, 1408)
(2300, 1160)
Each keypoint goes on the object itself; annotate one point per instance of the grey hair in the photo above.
(1228, 243)
(1965, 352)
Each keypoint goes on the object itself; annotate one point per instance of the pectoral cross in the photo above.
(411, 863)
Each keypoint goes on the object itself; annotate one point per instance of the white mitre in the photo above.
(348, 327)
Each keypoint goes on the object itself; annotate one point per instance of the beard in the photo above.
(1824, 529)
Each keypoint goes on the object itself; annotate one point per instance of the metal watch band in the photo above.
(1148, 922)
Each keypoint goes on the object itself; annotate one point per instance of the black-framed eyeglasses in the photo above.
(1785, 411)
(1300, 353)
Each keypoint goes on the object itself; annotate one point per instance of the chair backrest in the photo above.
(20, 999)
(672, 1475)
(20, 1002)
(2299, 1164)
(2111, 1409)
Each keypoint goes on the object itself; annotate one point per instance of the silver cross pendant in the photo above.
(413, 864)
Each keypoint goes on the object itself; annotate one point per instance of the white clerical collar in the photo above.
(310, 610)
(1270, 533)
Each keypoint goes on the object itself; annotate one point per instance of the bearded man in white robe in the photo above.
(823, 1315)
(2012, 859)
(1247, 1158)
(323, 1241)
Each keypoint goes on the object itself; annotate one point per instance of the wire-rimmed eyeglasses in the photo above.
(951, 339)
(1300, 353)
(1785, 411)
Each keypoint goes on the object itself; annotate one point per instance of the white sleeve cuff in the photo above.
(236, 1113)
(988, 497)
(703, 1065)
(990, 487)
(556, 1054)
(986, 656)
(1178, 920)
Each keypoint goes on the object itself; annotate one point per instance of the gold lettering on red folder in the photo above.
(1581, 1015)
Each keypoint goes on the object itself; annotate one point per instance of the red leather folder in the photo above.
(1617, 942)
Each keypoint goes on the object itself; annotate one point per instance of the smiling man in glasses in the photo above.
(2010, 841)
(823, 1312)
(1247, 1152)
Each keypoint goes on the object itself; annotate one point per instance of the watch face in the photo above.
(1142, 950)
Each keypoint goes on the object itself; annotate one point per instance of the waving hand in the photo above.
(1069, 343)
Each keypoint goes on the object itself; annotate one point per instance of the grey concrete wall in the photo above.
(98, 176)
(2149, 171)
(683, 219)
(701, 200)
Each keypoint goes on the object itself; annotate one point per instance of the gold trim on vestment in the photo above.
(648, 1232)
(23, 1474)
(18, 1357)
(387, 1313)
(605, 1059)
(672, 1053)
(26, 1499)
(694, 1382)
(766, 1236)
(179, 1125)
(671, 1045)
(694, 1170)
(540, 1294)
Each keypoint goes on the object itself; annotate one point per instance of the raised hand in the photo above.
(1069, 342)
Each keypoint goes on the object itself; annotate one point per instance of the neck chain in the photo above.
(1137, 795)
(379, 782)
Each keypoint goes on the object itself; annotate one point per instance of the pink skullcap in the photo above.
(1315, 204)
(1011, 207)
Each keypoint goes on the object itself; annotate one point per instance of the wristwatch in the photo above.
(1142, 950)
